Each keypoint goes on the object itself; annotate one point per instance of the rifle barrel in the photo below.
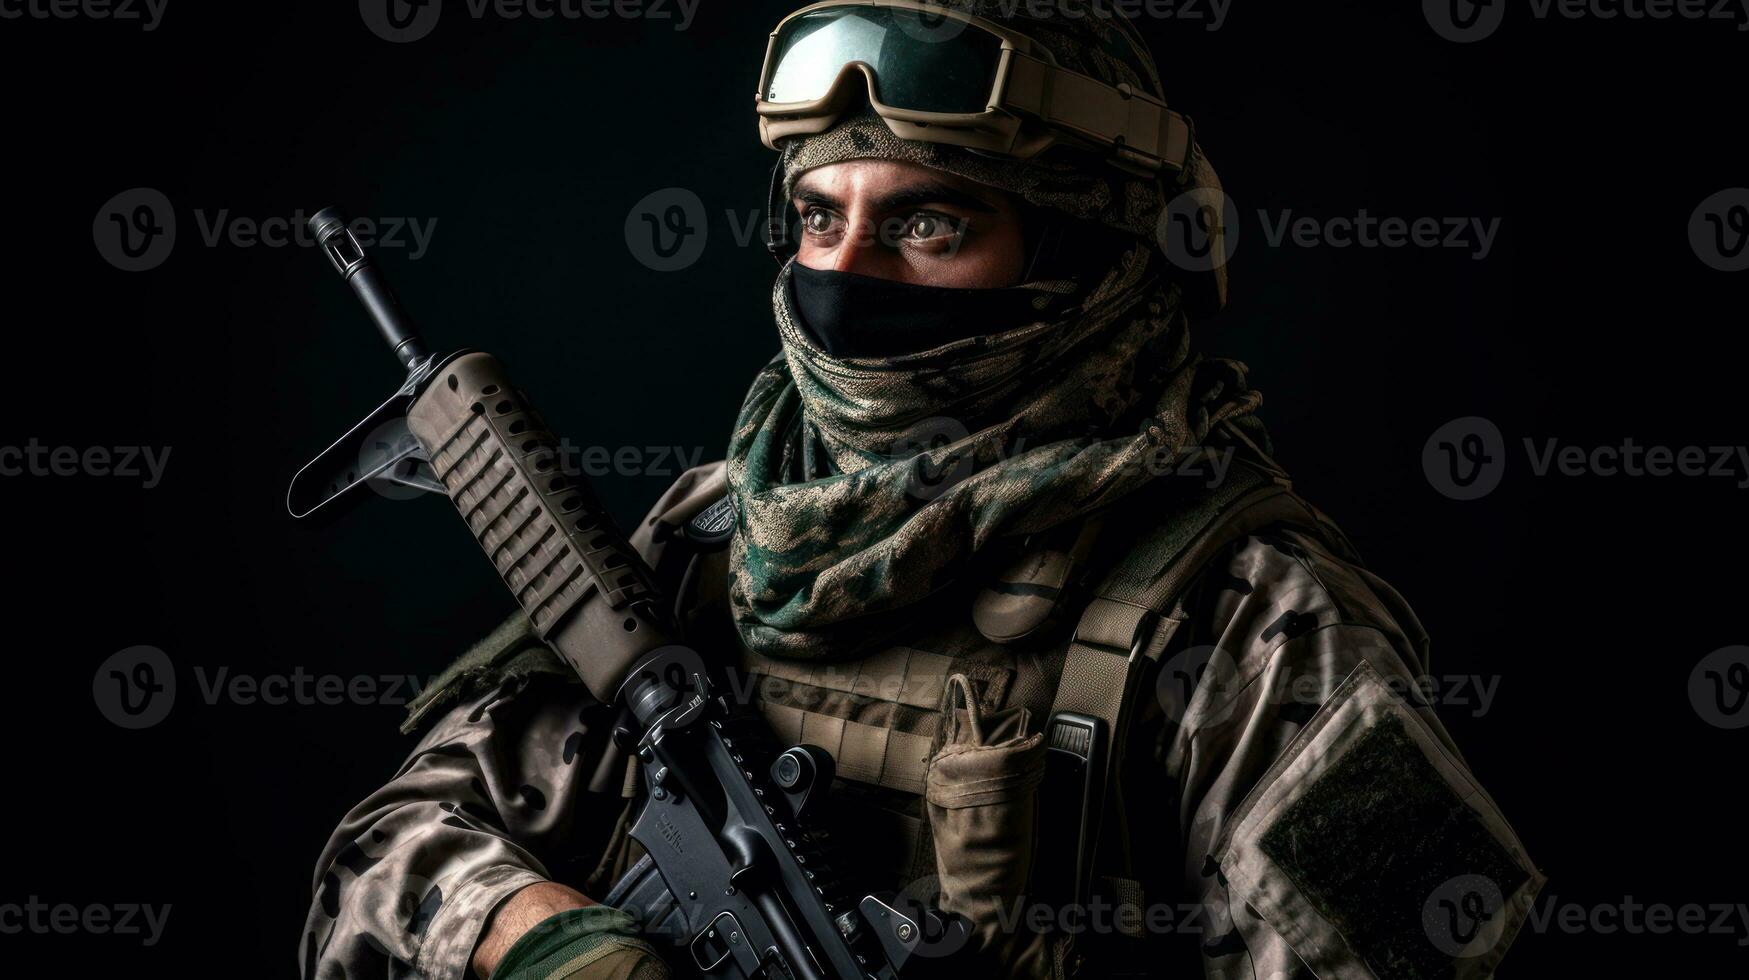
(355, 267)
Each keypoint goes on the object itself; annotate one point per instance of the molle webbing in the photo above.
(878, 715)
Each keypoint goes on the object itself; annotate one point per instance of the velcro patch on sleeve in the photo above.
(1369, 848)
(1384, 849)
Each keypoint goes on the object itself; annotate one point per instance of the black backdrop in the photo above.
(1590, 599)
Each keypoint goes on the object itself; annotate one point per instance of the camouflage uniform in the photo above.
(1286, 804)
(498, 794)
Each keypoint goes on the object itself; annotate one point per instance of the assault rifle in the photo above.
(738, 860)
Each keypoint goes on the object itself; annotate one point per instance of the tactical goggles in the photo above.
(942, 76)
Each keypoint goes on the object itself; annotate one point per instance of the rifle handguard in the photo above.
(589, 595)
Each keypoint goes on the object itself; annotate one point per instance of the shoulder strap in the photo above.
(1134, 615)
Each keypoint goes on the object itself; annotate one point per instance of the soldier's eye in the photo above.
(933, 229)
(928, 226)
(817, 221)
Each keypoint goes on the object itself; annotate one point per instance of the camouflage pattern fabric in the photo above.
(1036, 426)
(496, 795)
(1291, 657)
(867, 485)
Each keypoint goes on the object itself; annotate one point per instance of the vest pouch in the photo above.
(981, 792)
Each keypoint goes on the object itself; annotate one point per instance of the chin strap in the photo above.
(777, 239)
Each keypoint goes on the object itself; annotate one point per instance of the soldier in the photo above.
(991, 502)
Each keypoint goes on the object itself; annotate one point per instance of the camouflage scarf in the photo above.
(865, 486)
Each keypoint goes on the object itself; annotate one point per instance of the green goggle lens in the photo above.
(921, 63)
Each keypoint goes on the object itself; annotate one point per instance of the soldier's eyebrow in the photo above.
(910, 197)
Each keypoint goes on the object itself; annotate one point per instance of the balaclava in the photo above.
(867, 484)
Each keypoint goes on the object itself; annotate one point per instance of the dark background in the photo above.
(1592, 599)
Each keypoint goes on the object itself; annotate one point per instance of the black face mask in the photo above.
(860, 316)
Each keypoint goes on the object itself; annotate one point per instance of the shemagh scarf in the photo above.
(864, 486)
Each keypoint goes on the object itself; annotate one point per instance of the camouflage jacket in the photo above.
(1289, 801)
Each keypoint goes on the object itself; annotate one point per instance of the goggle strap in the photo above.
(1139, 129)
